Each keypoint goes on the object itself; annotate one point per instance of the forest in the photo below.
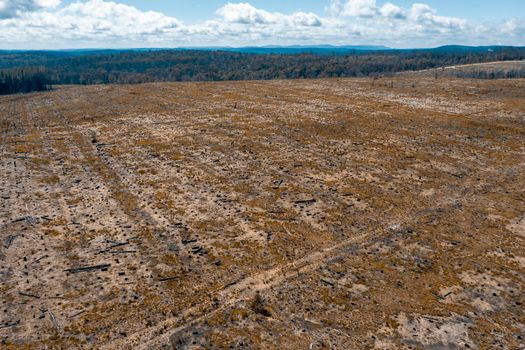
(493, 74)
(36, 71)
(18, 80)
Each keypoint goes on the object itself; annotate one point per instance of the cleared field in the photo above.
(514, 69)
(323, 214)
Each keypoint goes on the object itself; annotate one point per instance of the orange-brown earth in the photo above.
(322, 214)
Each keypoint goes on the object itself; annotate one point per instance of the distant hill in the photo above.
(273, 49)
(459, 48)
(298, 49)
(294, 49)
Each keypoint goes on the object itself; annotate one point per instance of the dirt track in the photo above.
(348, 213)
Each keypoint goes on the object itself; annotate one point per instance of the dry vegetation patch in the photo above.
(337, 213)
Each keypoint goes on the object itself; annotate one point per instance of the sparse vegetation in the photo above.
(287, 214)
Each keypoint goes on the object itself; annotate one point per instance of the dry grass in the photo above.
(283, 214)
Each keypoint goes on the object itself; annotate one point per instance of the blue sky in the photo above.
(194, 11)
(48, 24)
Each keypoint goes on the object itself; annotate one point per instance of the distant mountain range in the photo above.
(273, 49)
(296, 49)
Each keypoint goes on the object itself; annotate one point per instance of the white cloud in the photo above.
(116, 19)
(426, 16)
(364, 9)
(48, 3)
(101, 23)
(360, 8)
(245, 13)
(13, 8)
(514, 27)
(93, 20)
(392, 11)
(391, 22)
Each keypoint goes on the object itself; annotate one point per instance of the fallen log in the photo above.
(328, 282)
(55, 322)
(167, 279)
(39, 259)
(118, 244)
(305, 201)
(111, 247)
(277, 184)
(29, 295)
(101, 267)
(9, 240)
(9, 324)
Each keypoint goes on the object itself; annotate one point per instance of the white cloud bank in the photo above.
(101, 23)
(245, 13)
(13, 8)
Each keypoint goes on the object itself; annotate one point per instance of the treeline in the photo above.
(492, 74)
(121, 67)
(139, 67)
(23, 80)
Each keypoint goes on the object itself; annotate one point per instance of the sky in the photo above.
(70, 24)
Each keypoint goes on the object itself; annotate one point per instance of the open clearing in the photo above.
(453, 71)
(308, 214)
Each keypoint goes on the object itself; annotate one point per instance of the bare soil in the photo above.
(307, 214)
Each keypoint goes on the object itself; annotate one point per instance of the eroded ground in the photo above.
(327, 214)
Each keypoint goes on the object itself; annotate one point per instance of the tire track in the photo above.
(154, 337)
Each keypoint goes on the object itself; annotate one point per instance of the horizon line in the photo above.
(270, 46)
